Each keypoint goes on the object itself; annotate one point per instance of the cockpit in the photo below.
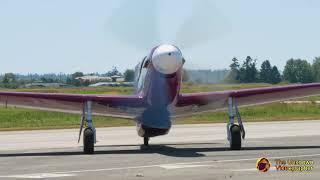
(140, 73)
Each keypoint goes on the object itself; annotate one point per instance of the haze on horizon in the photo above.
(93, 36)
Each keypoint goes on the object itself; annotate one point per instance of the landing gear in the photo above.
(88, 141)
(89, 134)
(146, 141)
(235, 138)
(236, 132)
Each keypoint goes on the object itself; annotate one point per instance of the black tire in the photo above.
(88, 141)
(235, 141)
(146, 141)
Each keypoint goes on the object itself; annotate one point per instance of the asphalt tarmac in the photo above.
(188, 152)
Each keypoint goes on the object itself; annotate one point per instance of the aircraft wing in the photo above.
(124, 106)
(191, 103)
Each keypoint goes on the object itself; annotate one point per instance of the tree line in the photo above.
(11, 80)
(295, 71)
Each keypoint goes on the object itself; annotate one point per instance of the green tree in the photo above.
(235, 64)
(129, 75)
(10, 81)
(265, 72)
(74, 80)
(269, 74)
(316, 69)
(113, 72)
(9, 78)
(248, 71)
(47, 80)
(233, 76)
(69, 81)
(297, 70)
(275, 76)
(290, 71)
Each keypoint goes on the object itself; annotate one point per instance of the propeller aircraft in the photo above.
(157, 99)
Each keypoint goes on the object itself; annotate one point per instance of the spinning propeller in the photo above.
(146, 23)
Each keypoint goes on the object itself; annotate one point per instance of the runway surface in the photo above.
(188, 152)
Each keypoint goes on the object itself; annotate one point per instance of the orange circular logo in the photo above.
(263, 164)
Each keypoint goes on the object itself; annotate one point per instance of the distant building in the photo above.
(117, 78)
(42, 84)
(114, 78)
(112, 84)
(94, 78)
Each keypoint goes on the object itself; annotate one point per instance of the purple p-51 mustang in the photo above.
(157, 99)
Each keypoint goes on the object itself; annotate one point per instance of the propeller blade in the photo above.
(146, 23)
(203, 25)
(134, 23)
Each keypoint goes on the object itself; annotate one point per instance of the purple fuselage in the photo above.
(161, 92)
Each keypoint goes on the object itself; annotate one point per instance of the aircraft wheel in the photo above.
(146, 141)
(235, 141)
(88, 141)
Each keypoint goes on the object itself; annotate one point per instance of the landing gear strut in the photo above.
(236, 132)
(89, 134)
(146, 141)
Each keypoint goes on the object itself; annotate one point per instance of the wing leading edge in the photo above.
(126, 106)
(216, 101)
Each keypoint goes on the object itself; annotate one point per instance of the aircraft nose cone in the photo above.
(167, 59)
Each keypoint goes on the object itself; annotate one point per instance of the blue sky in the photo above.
(92, 36)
